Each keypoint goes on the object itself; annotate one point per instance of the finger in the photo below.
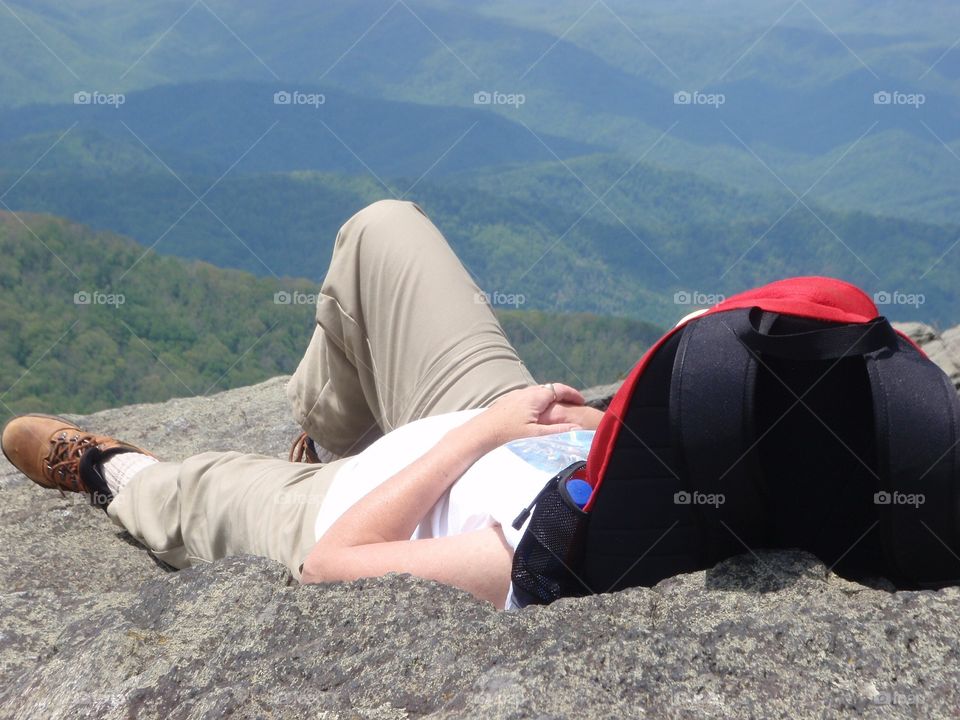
(555, 428)
(558, 413)
(553, 413)
(543, 395)
(568, 394)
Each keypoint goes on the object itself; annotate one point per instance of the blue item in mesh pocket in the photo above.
(550, 553)
(579, 491)
(553, 453)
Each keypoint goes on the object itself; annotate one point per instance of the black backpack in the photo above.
(790, 416)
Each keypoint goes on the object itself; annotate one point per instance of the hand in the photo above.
(585, 416)
(530, 412)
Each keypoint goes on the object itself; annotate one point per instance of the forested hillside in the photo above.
(539, 230)
(80, 333)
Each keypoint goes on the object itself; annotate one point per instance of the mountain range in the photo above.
(264, 190)
(798, 81)
(605, 157)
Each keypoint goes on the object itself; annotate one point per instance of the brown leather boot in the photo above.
(305, 450)
(302, 450)
(55, 453)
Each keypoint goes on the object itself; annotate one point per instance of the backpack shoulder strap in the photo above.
(917, 418)
(712, 402)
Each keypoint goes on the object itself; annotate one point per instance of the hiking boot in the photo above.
(305, 450)
(55, 453)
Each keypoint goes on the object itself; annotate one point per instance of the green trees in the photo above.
(534, 230)
(87, 321)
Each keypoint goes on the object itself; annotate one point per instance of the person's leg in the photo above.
(218, 504)
(402, 332)
(204, 508)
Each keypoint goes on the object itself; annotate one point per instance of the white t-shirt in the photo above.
(493, 491)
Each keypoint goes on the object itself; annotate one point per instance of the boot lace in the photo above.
(63, 462)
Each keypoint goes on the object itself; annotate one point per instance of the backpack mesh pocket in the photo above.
(547, 561)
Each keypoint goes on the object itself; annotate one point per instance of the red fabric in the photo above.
(819, 298)
(611, 422)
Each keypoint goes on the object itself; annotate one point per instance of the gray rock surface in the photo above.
(91, 626)
(943, 349)
(599, 396)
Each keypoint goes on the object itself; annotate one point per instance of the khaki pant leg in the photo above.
(402, 333)
(217, 504)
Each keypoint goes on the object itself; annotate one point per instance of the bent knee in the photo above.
(387, 206)
(386, 213)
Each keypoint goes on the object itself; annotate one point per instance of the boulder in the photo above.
(771, 635)
(943, 349)
(92, 626)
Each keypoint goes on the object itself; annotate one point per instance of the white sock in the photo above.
(119, 468)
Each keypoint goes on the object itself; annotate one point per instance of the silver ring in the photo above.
(552, 389)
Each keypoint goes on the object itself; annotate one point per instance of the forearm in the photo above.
(373, 536)
(393, 510)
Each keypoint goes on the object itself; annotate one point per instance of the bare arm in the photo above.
(372, 537)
